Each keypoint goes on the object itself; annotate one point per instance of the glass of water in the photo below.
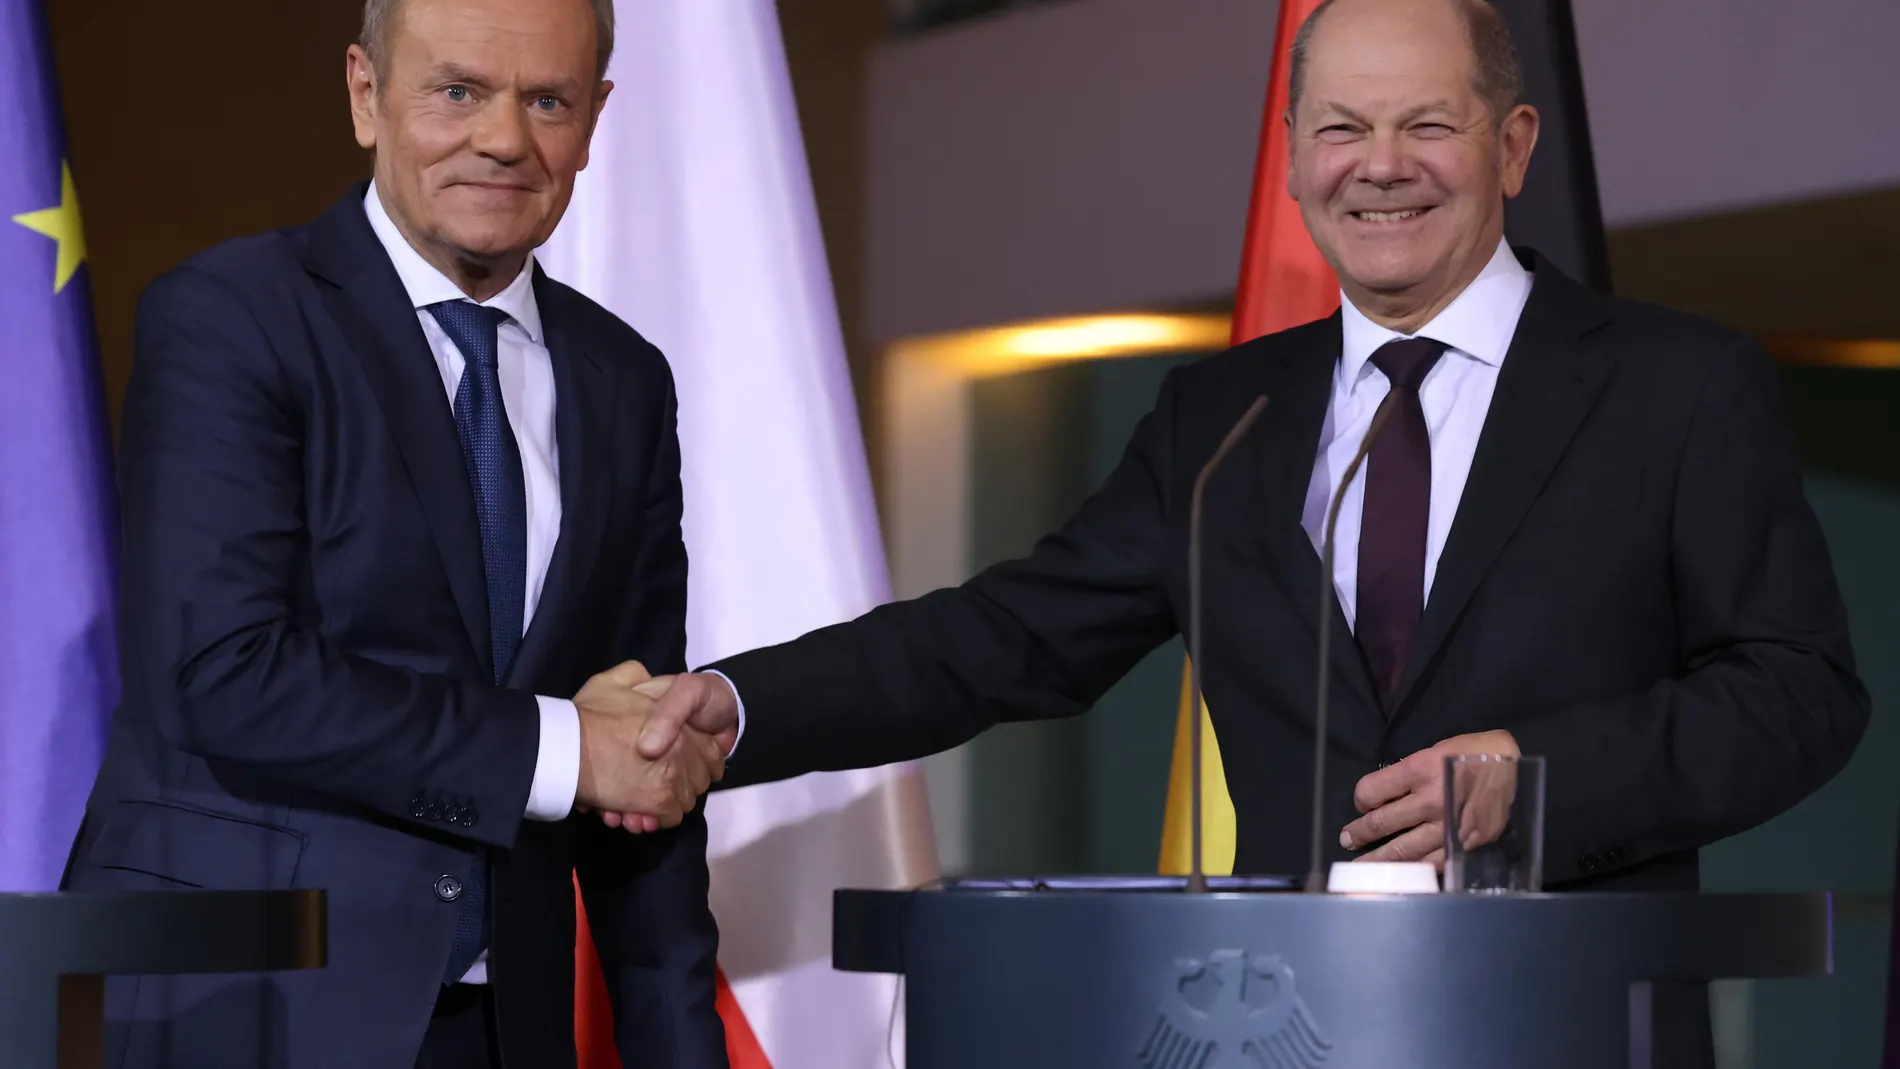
(1494, 824)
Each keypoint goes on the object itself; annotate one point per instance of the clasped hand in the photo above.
(646, 758)
(1404, 803)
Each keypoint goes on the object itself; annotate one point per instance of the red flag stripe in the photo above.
(594, 1019)
(742, 1047)
(593, 1015)
(1283, 279)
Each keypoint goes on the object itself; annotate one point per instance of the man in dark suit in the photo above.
(390, 496)
(1582, 533)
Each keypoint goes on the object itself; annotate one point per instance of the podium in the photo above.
(1101, 979)
(57, 949)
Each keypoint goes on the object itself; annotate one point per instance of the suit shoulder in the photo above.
(611, 335)
(1251, 364)
(1675, 337)
(1249, 356)
(251, 269)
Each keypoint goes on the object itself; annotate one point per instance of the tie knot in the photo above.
(472, 327)
(1406, 361)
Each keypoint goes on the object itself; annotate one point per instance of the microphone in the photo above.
(1197, 879)
(1322, 707)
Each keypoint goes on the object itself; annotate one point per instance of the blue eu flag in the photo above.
(58, 670)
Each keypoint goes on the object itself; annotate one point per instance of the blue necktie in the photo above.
(501, 511)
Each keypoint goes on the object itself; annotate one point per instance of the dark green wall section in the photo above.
(1843, 838)
(1027, 803)
(1084, 795)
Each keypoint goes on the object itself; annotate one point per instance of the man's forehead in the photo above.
(1431, 28)
(1410, 14)
(1386, 57)
(483, 50)
(441, 28)
(1405, 106)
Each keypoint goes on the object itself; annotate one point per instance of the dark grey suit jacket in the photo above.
(1634, 586)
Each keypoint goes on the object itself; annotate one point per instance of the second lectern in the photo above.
(1099, 979)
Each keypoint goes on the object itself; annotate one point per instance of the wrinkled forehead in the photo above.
(495, 42)
(1388, 59)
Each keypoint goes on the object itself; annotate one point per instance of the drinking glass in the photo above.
(1494, 824)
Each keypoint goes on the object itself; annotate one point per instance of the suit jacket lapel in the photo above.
(1284, 450)
(583, 417)
(1547, 386)
(368, 301)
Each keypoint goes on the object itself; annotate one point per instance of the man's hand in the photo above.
(700, 701)
(1405, 802)
(642, 793)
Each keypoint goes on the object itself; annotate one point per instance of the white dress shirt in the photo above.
(527, 392)
(1476, 329)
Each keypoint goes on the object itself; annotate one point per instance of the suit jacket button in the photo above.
(417, 809)
(452, 814)
(469, 816)
(448, 888)
(1587, 863)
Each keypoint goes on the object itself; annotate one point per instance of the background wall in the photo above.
(1068, 158)
(1700, 105)
(1097, 154)
(192, 121)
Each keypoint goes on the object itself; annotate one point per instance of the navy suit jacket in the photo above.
(307, 699)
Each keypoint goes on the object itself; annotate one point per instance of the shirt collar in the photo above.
(426, 285)
(1478, 322)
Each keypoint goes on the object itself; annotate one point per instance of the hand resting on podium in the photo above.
(1404, 804)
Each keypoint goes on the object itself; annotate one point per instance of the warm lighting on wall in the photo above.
(993, 351)
(988, 352)
(1833, 352)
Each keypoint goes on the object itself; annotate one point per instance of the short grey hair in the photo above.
(380, 15)
(1495, 71)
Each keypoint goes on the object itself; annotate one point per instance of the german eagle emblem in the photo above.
(1233, 1011)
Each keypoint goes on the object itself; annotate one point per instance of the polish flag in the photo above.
(694, 221)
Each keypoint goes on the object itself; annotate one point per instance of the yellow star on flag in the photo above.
(62, 225)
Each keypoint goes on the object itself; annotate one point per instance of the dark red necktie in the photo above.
(1392, 527)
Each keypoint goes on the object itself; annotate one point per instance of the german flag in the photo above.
(1283, 282)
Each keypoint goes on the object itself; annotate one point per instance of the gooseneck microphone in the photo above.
(1322, 706)
(1197, 879)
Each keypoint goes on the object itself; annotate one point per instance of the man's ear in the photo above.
(1291, 148)
(593, 121)
(359, 75)
(1517, 138)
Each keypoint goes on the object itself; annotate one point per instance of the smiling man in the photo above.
(1582, 534)
(393, 499)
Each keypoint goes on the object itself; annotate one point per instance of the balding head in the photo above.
(379, 20)
(1495, 71)
(1405, 140)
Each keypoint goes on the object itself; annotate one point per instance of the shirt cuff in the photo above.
(736, 697)
(557, 767)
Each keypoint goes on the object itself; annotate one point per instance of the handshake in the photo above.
(651, 746)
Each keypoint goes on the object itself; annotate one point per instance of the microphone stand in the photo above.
(1197, 879)
(1322, 707)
